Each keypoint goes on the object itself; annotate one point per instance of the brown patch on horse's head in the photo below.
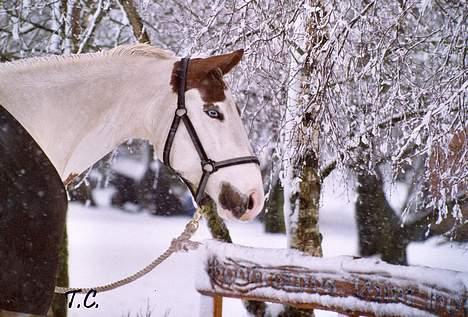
(232, 200)
(206, 75)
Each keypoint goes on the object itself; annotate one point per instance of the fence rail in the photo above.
(348, 285)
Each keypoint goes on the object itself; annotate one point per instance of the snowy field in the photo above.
(107, 244)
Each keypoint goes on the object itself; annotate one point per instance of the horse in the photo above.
(77, 108)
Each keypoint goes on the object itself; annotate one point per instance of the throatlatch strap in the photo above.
(170, 140)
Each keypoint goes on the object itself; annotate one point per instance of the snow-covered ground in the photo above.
(107, 244)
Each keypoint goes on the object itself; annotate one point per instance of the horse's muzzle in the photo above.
(237, 203)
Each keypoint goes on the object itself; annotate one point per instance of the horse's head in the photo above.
(237, 190)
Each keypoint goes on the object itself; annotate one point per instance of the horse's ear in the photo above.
(224, 62)
(206, 74)
(228, 61)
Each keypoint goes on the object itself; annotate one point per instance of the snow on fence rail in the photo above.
(348, 285)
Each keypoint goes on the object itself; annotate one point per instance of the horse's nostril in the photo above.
(251, 203)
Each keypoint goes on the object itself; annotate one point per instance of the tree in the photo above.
(398, 76)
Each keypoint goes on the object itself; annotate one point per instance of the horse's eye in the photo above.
(214, 114)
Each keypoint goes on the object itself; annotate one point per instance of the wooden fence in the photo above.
(352, 286)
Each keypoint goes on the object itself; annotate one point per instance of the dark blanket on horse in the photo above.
(33, 205)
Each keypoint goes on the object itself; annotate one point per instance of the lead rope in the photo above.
(181, 243)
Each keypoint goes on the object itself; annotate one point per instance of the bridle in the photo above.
(208, 166)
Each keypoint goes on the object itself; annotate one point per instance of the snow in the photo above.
(103, 196)
(107, 245)
(206, 306)
(130, 168)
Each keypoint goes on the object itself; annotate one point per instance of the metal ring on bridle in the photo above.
(208, 167)
(180, 112)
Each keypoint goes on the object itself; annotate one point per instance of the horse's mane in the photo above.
(122, 50)
(139, 50)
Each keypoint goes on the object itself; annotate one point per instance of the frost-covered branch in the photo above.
(128, 7)
(92, 23)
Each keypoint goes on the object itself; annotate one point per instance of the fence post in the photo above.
(218, 306)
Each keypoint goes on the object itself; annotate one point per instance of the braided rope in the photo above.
(181, 243)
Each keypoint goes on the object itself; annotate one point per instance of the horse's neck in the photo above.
(80, 111)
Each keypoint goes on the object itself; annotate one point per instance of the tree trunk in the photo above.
(216, 225)
(135, 21)
(304, 234)
(302, 184)
(71, 26)
(378, 226)
(274, 216)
